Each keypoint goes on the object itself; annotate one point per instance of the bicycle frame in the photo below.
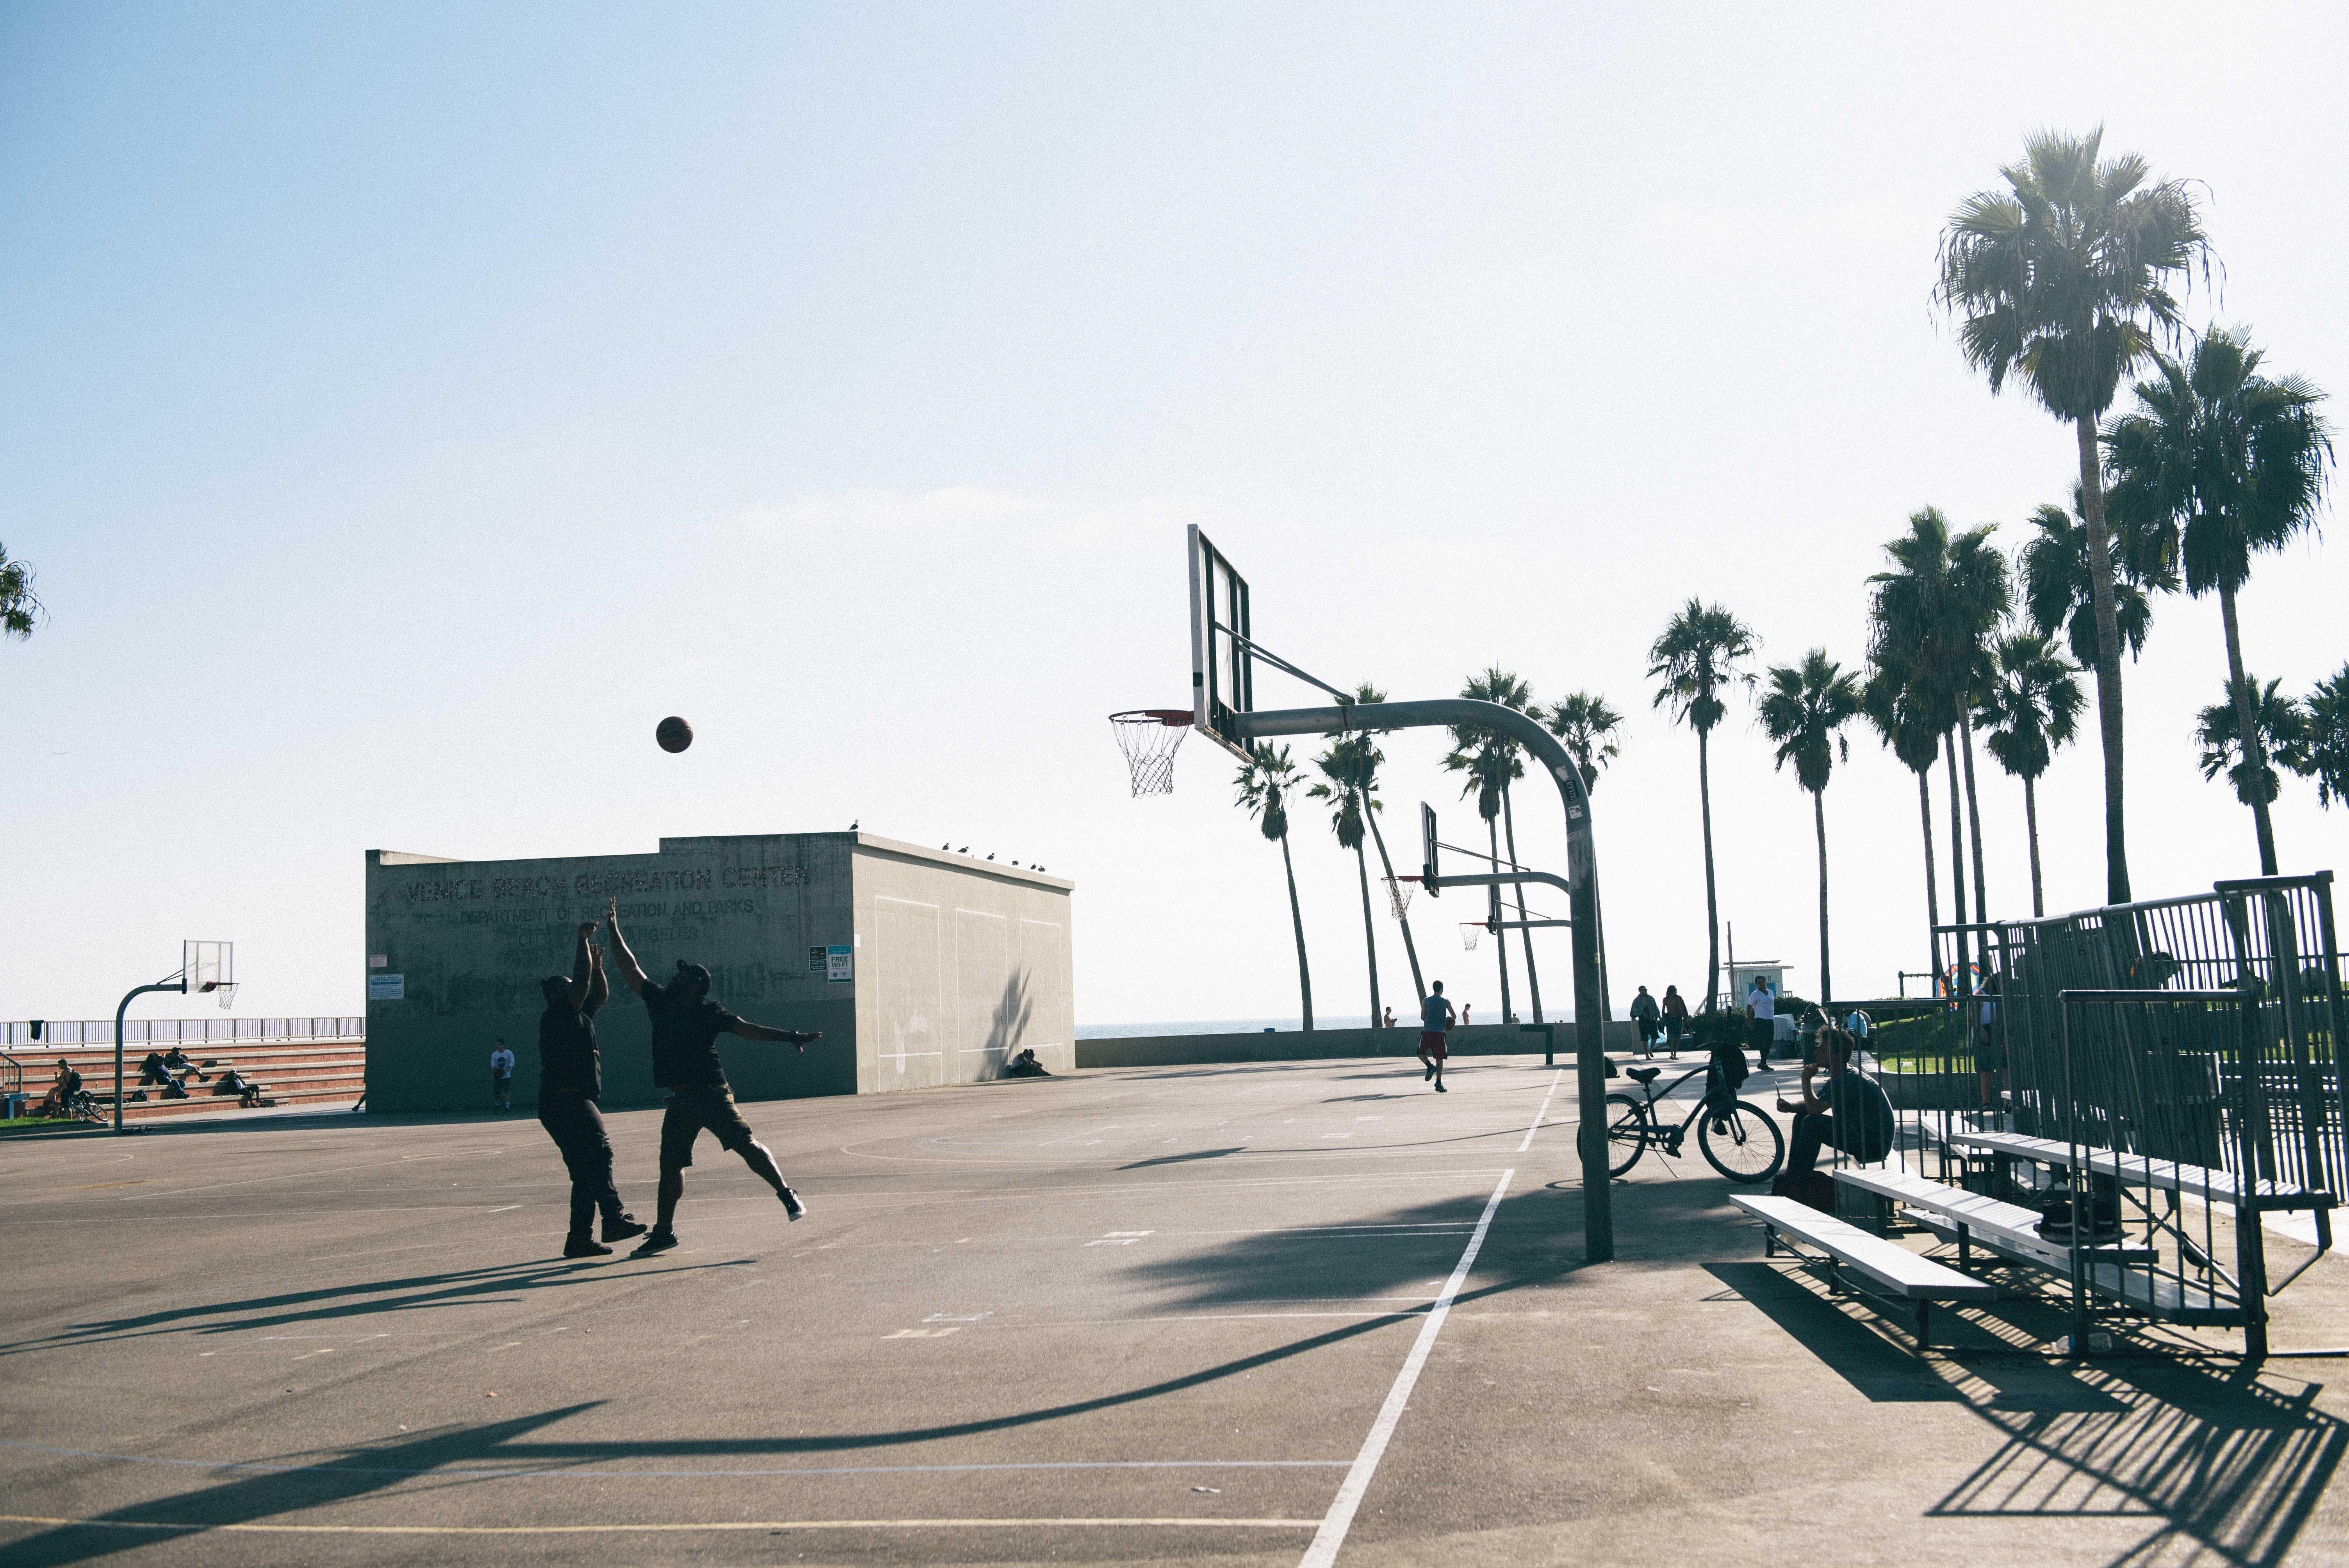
(1652, 1132)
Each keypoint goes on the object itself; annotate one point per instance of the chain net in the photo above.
(1150, 737)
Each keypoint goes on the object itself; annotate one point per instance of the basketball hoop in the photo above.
(1469, 931)
(1149, 737)
(1398, 894)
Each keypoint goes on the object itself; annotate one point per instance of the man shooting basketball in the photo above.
(686, 1027)
(570, 1082)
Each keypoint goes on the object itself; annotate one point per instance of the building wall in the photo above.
(961, 963)
(919, 967)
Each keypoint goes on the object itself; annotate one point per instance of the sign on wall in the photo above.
(387, 988)
(840, 961)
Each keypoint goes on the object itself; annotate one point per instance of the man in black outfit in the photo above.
(686, 1027)
(570, 1082)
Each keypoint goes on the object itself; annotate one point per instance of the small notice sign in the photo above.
(840, 961)
(387, 988)
(379, 961)
(817, 964)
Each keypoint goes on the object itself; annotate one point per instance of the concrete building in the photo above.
(921, 967)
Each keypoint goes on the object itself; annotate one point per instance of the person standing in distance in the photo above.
(1434, 1020)
(570, 1082)
(501, 1062)
(1650, 1018)
(686, 1027)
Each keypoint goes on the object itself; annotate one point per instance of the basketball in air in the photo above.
(674, 733)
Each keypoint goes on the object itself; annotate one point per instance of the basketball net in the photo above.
(1398, 895)
(1150, 737)
(1469, 931)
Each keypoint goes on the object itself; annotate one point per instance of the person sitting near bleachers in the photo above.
(59, 1100)
(1849, 1112)
(156, 1070)
(183, 1066)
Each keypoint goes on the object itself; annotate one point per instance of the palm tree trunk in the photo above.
(2247, 729)
(1409, 950)
(2030, 821)
(1819, 822)
(2108, 659)
(1712, 896)
(1297, 918)
(1974, 835)
(1501, 938)
(1533, 979)
(1369, 929)
(1932, 881)
(1959, 982)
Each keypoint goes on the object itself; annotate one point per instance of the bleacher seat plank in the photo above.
(1900, 1271)
(2140, 1170)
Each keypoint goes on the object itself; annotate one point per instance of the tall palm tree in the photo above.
(2054, 566)
(2327, 757)
(1489, 765)
(2033, 706)
(19, 606)
(2236, 462)
(2278, 734)
(1345, 774)
(2062, 280)
(1804, 711)
(1902, 721)
(1498, 685)
(1932, 617)
(1586, 726)
(1266, 776)
(1701, 650)
(1373, 759)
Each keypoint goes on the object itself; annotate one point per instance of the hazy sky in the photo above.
(409, 405)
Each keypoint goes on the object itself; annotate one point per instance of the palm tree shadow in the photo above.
(1008, 1026)
(251, 1497)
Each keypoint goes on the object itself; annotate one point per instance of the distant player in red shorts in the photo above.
(1434, 1020)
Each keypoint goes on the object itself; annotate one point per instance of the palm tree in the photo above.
(1373, 759)
(2235, 461)
(2054, 566)
(1490, 764)
(19, 606)
(2278, 735)
(1701, 649)
(1264, 777)
(2062, 279)
(1586, 726)
(1345, 773)
(1804, 711)
(2032, 707)
(1901, 718)
(1931, 620)
(2326, 759)
(1498, 685)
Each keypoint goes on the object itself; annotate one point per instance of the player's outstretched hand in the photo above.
(806, 1039)
(611, 911)
(586, 928)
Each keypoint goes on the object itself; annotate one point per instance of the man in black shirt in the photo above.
(686, 1027)
(570, 1082)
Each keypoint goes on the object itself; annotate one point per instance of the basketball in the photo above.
(674, 733)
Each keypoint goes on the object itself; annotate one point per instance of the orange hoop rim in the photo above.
(1171, 718)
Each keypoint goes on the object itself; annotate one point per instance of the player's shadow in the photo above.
(259, 1493)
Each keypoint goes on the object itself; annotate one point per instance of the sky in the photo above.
(409, 406)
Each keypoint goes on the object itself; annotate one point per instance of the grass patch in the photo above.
(35, 1123)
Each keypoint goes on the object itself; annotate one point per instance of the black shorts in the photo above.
(692, 1108)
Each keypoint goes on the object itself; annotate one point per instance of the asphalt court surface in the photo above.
(1136, 1315)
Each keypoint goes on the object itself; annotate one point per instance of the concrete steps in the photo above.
(324, 1073)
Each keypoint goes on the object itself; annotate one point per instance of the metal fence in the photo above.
(2172, 1069)
(87, 1032)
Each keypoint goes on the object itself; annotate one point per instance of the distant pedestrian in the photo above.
(686, 1026)
(1464, 1010)
(1389, 1022)
(501, 1062)
(1650, 1018)
(1761, 1007)
(1676, 1018)
(570, 1083)
(1435, 1025)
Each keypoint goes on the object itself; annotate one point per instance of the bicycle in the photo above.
(1735, 1138)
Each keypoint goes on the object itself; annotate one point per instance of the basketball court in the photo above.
(1247, 1314)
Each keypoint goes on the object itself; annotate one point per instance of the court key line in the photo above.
(1542, 1112)
(769, 1525)
(1323, 1551)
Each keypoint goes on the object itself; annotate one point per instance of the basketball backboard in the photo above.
(1222, 671)
(210, 969)
(1427, 848)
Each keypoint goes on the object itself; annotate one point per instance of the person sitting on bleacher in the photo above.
(155, 1070)
(1849, 1112)
(183, 1066)
(59, 1100)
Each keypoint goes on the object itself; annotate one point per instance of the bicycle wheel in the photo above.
(1749, 1145)
(1626, 1132)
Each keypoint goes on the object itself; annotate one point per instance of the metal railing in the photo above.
(83, 1032)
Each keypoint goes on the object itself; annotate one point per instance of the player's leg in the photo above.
(725, 1120)
(679, 1127)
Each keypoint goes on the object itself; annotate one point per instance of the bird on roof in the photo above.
(851, 827)
(964, 850)
(990, 854)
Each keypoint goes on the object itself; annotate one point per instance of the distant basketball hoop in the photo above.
(1150, 737)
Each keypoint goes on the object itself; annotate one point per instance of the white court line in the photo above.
(1324, 1553)
(772, 1526)
(1528, 1143)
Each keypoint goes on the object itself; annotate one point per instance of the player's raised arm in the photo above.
(583, 967)
(599, 987)
(750, 1031)
(629, 969)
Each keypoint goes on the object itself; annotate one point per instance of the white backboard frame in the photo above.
(1223, 676)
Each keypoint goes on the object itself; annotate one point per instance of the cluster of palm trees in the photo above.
(1489, 762)
(2066, 279)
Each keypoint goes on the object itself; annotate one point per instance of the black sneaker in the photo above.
(1427, 1075)
(584, 1247)
(621, 1229)
(657, 1241)
(1441, 1089)
(793, 1204)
